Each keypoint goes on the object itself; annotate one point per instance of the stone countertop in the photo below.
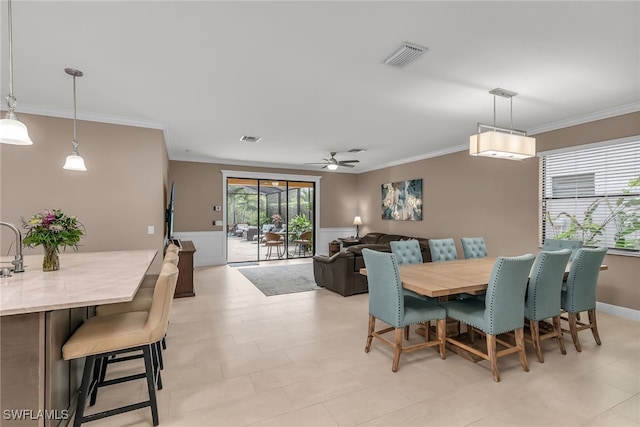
(84, 279)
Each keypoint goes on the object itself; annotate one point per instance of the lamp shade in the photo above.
(13, 131)
(502, 145)
(74, 162)
(357, 221)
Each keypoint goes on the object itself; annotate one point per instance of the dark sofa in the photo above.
(341, 272)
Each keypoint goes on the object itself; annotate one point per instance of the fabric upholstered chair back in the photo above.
(171, 257)
(386, 301)
(504, 302)
(556, 245)
(158, 318)
(173, 248)
(443, 250)
(545, 285)
(406, 251)
(583, 278)
(474, 247)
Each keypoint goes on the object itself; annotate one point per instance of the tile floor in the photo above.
(238, 358)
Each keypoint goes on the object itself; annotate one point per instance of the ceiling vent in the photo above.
(254, 139)
(404, 55)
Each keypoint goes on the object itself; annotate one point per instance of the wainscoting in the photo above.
(211, 246)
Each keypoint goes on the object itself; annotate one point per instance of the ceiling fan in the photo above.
(332, 163)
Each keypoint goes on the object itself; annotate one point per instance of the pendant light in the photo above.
(74, 162)
(12, 131)
(502, 143)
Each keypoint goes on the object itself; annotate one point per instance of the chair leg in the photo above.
(83, 392)
(160, 359)
(534, 327)
(99, 374)
(397, 349)
(519, 333)
(372, 325)
(573, 328)
(559, 337)
(441, 326)
(156, 366)
(471, 334)
(406, 333)
(594, 326)
(151, 387)
(493, 359)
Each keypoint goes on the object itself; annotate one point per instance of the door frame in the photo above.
(274, 177)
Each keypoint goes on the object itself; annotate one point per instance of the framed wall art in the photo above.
(402, 200)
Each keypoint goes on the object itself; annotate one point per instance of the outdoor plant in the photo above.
(623, 214)
(298, 225)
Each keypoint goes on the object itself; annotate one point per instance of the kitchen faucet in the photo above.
(18, 261)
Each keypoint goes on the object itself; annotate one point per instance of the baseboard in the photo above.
(616, 310)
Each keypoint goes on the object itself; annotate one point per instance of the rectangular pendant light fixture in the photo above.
(502, 143)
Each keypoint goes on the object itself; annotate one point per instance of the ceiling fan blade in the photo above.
(345, 165)
(348, 161)
(322, 163)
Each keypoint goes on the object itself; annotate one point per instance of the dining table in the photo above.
(446, 279)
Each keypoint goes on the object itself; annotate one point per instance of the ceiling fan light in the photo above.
(332, 167)
(13, 131)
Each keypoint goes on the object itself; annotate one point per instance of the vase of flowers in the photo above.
(52, 229)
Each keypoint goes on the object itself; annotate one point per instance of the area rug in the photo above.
(280, 280)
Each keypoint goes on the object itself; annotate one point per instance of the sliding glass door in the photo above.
(269, 219)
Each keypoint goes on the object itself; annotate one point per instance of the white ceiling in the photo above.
(307, 76)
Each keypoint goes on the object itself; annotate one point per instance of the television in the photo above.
(170, 214)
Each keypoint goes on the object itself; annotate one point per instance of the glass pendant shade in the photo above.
(332, 167)
(74, 162)
(502, 145)
(13, 131)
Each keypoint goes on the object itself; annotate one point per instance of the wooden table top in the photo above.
(437, 279)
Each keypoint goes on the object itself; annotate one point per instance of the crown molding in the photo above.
(586, 118)
(424, 156)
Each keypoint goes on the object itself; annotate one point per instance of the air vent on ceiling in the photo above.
(253, 139)
(404, 55)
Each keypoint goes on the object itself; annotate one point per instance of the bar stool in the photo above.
(149, 280)
(100, 337)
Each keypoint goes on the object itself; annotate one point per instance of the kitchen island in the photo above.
(38, 312)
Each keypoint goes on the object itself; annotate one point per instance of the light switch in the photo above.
(151, 229)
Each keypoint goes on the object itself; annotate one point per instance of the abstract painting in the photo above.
(402, 200)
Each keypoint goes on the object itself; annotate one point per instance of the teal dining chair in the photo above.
(388, 304)
(408, 252)
(543, 297)
(474, 247)
(442, 250)
(580, 293)
(501, 312)
(557, 244)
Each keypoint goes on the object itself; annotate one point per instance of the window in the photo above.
(592, 193)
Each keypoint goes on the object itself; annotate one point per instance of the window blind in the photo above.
(592, 194)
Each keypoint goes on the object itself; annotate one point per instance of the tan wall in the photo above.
(497, 199)
(121, 193)
(199, 187)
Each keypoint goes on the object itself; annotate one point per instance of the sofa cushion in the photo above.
(357, 249)
(385, 239)
(371, 238)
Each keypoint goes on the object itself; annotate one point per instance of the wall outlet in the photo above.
(217, 208)
(151, 229)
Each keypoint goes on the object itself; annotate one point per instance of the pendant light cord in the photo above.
(75, 133)
(11, 99)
